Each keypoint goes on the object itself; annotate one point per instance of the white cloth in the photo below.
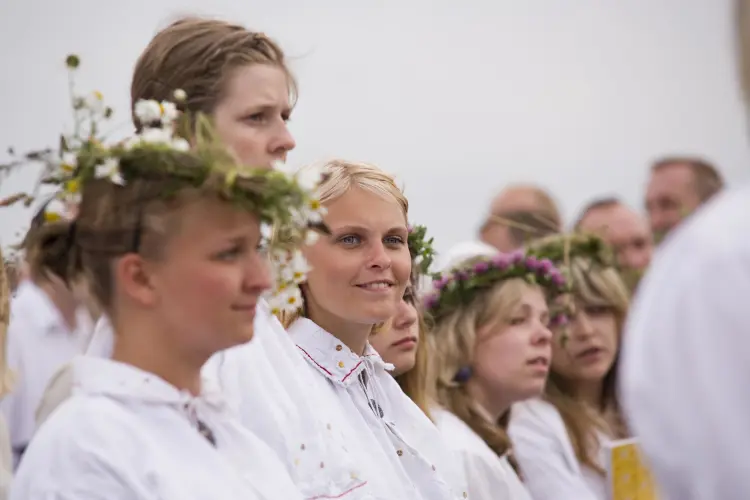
(489, 476)
(685, 357)
(127, 434)
(39, 343)
(545, 453)
(400, 449)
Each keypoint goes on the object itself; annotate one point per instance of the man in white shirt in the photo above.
(686, 354)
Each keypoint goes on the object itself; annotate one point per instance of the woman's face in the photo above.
(204, 288)
(360, 272)
(512, 354)
(591, 347)
(397, 342)
(252, 116)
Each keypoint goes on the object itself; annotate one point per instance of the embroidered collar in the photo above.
(97, 376)
(330, 356)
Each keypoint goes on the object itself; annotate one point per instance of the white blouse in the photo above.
(39, 343)
(545, 454)
(401, 450)
(127, 434)
(490, 477)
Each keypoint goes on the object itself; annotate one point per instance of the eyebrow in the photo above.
(354, 227)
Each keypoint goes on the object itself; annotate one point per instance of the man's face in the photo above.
(670, 197)
(625, 230)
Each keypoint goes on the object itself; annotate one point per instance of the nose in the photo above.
(257, 277)
(406, 316)
(379, 257)
(281, 142)
(582, 326)
(542, 335)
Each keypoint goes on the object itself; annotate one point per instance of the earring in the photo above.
(463, 374)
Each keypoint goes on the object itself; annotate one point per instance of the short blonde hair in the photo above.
(340, 176)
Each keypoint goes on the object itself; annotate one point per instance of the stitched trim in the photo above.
(320, 497)
(313, 360)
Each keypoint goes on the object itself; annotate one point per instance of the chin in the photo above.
(403, 363)
(371, 313)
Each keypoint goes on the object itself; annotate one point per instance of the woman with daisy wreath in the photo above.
(559, 438)
(168, 236)
(359, 273)
(240, 79)
(491, 345)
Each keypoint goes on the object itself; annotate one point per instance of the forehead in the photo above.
(211, 217)
(614, 220)
(671, 178)
(257, 85)
(362, 207)
(516, 199)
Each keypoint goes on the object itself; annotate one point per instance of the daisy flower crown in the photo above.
(457, 287)
(184, 152)
(421, 249)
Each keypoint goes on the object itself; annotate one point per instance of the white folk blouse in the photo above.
(490, 477)
(127, 434)
(545, 453)
(399, 448)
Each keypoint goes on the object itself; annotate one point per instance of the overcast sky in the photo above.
(456, 98)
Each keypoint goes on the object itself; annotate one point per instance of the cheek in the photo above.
(401, 265)
(245, 141)
(204, 287)
(498, 356)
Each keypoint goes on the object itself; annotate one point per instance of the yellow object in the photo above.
(627, 474)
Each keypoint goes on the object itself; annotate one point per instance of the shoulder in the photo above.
(535, 415)
(459, 436)
(89, 443)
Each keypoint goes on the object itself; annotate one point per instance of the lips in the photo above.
(377, 285)
(539, 361)
(405, 341)
(590, 352)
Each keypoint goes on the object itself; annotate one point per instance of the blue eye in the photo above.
(350, 240)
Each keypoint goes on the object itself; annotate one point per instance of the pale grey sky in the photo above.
(456, 98)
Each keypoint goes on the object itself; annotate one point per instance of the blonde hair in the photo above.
(593, 285)
(454, 341)
(7, 377)
(340, 177)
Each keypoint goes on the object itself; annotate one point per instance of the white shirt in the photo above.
(261, 381)
(39, 343)
(685, 363)
(127, 434)
(546, 456)
(489, 476)
(400, 449)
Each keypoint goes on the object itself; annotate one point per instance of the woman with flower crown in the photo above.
(492, 345)
(358, 275)
(559, 438)
(169, 238)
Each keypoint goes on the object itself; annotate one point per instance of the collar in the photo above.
(105, 377)
(330, 356)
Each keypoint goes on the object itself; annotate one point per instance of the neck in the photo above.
(590, 392)
(145, 347)
(353, 335)
(63, 301)
(493, 404)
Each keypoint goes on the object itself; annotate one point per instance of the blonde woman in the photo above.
(558, 438)
(170, 241)
(359, 275)
(401, 341)
(492, 347)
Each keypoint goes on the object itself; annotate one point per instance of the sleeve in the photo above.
(546, 470)
(684, 371)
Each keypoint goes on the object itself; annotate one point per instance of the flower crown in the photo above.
(421, 250)
(457, 287)
(185, 153)
(563, 248)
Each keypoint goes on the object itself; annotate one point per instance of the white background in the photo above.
(456, 98)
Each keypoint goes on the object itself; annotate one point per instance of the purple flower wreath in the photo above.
(459, 286)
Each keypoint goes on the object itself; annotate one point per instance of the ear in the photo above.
(133, 277)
